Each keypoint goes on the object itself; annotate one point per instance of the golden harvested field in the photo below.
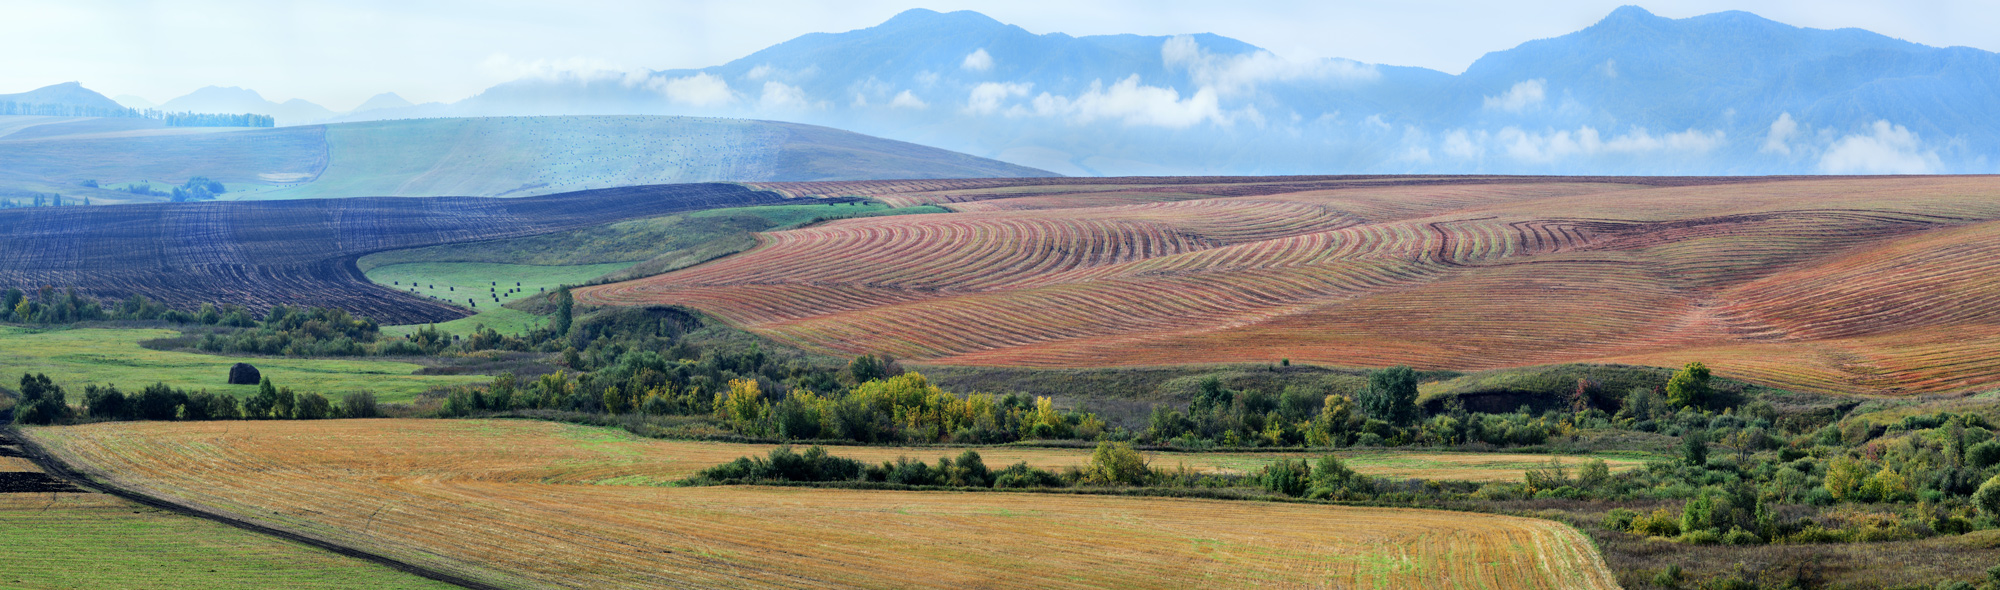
(519, 512)
(92, 540)
(1846, 285)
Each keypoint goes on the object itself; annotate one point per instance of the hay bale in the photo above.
(243, 374)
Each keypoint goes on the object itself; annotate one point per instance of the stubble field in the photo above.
(510, 503)
(82, 539)
(1841, 285)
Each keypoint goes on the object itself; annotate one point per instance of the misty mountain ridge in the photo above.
(67, 93)
(234, 100)
(1636, 93)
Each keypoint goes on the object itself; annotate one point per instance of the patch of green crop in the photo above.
(104, 356)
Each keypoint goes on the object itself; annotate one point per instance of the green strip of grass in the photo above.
(96, 541)
(102, 356)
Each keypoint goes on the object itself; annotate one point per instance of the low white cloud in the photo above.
(699, 90)
(759, 72)
(1133, 103)
(1519, 98)
(1461, 144)
(1562, 144)
(978, 61)
(583, 69)
(1609, 68)
(1234, 74)
(908, 100)
(1884, 149)
(987, 98)
(1779, 140)
(779, 95)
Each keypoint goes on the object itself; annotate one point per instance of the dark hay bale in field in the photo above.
(244, 374)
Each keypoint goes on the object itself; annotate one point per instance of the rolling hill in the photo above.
(1634, 93)
(299, 252)
(485, 157)
(1849, 285)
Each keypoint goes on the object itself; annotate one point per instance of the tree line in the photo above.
(171, 119)
(43, 402)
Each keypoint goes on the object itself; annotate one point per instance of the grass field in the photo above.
(90, 540)
(442, 493)
(1833, 285)
(483, 287)
(74, 358)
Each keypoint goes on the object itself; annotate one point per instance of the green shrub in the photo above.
(1021, 475)
(1738, 536)
(1668, 578)
(1117, 464)
(1291, 477)
(1658, 524)
(1619, 519)
(1701, 537)
(1987, 498)
(1984, 454)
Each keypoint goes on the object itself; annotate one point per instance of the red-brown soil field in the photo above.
(1850, 285)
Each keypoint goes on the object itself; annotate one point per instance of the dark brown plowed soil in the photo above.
(262, 253)
(31, 482)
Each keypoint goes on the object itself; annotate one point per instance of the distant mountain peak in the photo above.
(67, 93)
(924, 17)
(1632, 12)
(386, 100)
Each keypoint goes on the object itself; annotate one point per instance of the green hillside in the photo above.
(488, 156)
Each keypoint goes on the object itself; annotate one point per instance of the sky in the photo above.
(340, 53)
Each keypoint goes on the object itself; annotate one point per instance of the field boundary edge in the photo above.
(58, 469)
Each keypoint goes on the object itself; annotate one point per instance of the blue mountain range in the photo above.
(1636, 93)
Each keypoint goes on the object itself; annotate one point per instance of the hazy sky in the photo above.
(340, 53)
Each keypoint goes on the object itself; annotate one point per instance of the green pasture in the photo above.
(483, 287)
(97, 541)
(103, 356)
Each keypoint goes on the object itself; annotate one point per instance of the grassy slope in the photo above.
(74, 358)
(488, 156)
(487, 500)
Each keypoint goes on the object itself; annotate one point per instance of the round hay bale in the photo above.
(243, 374)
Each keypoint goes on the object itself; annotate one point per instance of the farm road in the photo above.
(59, 470)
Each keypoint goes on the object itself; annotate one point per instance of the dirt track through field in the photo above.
(69, 479)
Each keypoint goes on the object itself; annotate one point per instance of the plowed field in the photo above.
(1844, 285)
(300, 253)
(502, 501)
